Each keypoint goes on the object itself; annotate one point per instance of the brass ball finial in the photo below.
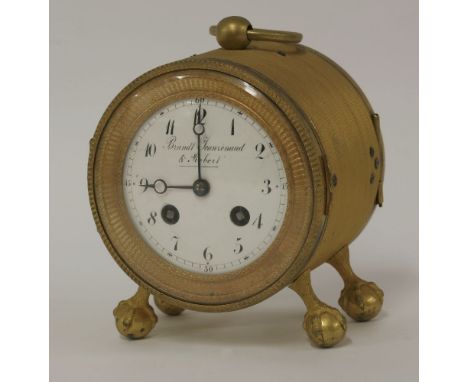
(231, 32)
(236, 33)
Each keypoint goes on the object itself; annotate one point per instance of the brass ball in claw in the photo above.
(326, 327)
(134, 322)
(362, 301)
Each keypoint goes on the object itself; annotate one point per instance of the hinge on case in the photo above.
(376, 122)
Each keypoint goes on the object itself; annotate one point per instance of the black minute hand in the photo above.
(199, 156)
(199, 129)
(201, 187)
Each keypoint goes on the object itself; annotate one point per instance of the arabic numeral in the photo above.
(170, 127)
(258, 222)
(144, 182)
(239, 247)
(208, 268)
(176, 244)
(232, 127)
(207, 255)
(150, 150)
(199, 117)
(260, 148)
(267, 189)
(152, 218)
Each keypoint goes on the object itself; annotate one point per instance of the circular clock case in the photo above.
(291, 103)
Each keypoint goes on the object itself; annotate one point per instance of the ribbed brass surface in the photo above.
(339, 117)
(325, 131)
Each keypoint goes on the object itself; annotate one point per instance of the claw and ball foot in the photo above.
(324, 325)
(166, 307)
(134, 317)
(360, 299)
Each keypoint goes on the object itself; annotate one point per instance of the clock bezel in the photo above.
(304, 219)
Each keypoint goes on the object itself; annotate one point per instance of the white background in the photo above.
(24, 281)
(97, 47)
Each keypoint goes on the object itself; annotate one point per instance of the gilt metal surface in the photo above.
(330, 141)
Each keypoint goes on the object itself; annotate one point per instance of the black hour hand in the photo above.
(159, 186)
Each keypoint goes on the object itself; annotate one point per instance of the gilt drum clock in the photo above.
(218, 180)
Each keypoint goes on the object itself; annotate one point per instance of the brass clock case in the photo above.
(301, 154)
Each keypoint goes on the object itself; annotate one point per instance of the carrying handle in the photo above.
(236, 32)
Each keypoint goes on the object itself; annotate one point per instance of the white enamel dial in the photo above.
(213, 216)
